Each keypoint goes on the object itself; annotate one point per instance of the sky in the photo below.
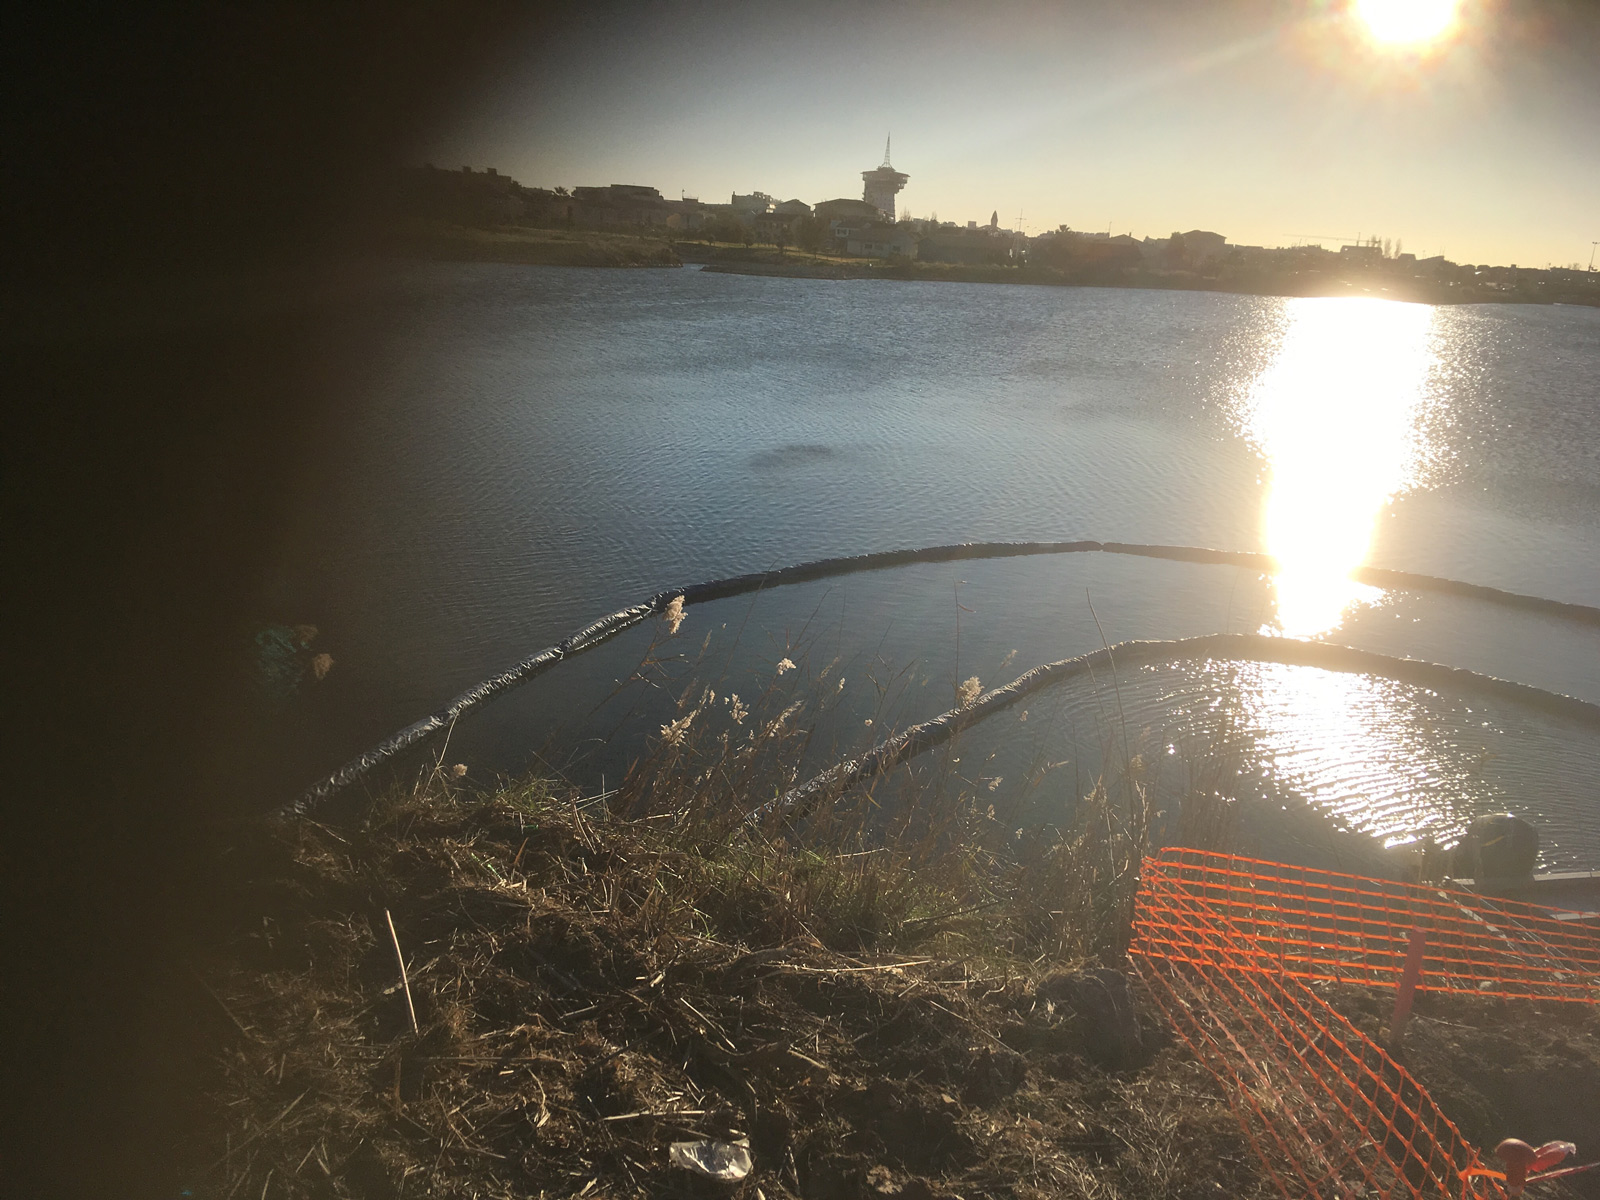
(1273, 122)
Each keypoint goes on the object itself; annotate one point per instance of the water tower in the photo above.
(882, 184)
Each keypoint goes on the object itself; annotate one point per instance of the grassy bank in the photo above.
(879, 1009)
(525, 245)
(875, 1009)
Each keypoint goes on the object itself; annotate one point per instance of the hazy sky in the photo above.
(1266, 120)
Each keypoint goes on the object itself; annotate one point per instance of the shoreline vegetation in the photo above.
(871, 1015)
(517, 990)
(439, 240)
(442, 241)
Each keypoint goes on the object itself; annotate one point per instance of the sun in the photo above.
(1407, 22)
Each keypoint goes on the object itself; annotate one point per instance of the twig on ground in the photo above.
(404, 981)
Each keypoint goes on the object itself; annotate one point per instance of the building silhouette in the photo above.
(882, 184)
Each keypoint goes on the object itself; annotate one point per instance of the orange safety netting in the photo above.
(1326, 1110)
(1228, 947)
(1321, 925)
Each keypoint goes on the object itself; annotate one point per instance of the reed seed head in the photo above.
(673, 614)
(674, 732)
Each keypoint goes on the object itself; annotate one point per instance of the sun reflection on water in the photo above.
(1361, 750)
(1337, 415)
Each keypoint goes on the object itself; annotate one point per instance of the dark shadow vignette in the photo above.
(187, 184)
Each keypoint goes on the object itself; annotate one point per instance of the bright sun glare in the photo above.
(1404, 22)
(1336, 417)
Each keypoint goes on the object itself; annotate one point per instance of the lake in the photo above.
(535, 447)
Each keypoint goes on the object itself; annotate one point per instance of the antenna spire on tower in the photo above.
(886, 141)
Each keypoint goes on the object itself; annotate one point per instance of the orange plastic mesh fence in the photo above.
(1328, 1112)
(1228, 949)
(1307, 924)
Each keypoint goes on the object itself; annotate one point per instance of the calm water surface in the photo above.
(539, 446)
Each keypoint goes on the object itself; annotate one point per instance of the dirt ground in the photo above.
(1501, 1068)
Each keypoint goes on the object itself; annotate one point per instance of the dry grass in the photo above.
(867, 999)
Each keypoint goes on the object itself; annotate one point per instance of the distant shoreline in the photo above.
(1044, 277)
(595, 248)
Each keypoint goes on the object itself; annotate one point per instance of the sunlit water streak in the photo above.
(1367, 751)
(1303, 753)
(1336, 416)
(1403, 764)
